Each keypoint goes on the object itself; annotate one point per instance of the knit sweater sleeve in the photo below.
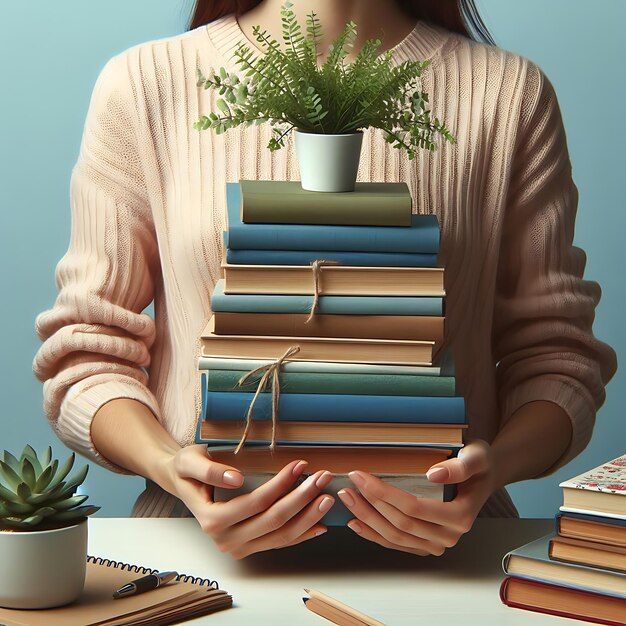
(96, 340)
(543, 342)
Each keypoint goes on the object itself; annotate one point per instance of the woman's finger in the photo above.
(363, 530)
(227, 514)
(427, 509)
(435, 533)
(194, 462)
(279, 513)
(471, 460)
(364, 511)
(296, 527)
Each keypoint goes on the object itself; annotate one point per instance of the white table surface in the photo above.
(460, 587)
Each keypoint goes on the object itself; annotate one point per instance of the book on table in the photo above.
(532, 561)
(422, 235)
(573, 603)
(286, 202)
(588, 553)
(600, 491)
(596, 528)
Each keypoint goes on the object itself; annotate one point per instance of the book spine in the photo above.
(295, 207)
(224, 363)
(327, 305)
(423, 328)
(338, 384)
(306, 257)
(421, 236)
(234, 405)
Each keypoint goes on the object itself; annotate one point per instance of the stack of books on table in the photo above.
(578, 571)
(368, 387)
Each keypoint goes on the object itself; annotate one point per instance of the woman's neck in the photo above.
(381, 20)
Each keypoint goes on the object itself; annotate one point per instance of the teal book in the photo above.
(333, 383)
(306, 257)
(285, 202)
(300, 407)
(422, 236)
(327, 305)
(532, 562)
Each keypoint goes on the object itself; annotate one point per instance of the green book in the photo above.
(331, 383)
(285, 202)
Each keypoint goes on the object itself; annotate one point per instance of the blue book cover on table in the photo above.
(422, 236)
(302, 407)
(306, 257)
(327, 305)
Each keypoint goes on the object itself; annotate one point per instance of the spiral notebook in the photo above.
(177, 601)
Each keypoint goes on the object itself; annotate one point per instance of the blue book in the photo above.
(302, 407)
(327, 305)
(532, 562)
(306, 257)
(422, 236)
(598, 519)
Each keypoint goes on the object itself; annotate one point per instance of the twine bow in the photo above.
(316, 266)
(271, 371)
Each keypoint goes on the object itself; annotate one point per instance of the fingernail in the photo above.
(325, 505)
(323, 480)
(356, 527)
(233, 478)
(320, 532)
(357, 479)
(439, 473)
(346, 498)
(299, 468)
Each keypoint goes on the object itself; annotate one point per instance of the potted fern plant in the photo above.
(327, 107)
(43, 531)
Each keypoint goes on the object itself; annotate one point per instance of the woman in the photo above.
(148, 211)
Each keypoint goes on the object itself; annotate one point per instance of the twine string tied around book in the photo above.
(271, 370)
(316, 266)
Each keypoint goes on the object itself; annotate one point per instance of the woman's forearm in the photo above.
(531, 441)
(128, 434)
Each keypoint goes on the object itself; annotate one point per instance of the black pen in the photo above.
(145, 583)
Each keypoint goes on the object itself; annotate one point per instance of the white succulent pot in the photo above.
(328, 162)
(42, 569)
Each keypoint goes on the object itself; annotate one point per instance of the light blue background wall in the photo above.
(51, 53)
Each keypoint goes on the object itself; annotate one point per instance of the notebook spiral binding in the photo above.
(139, 569)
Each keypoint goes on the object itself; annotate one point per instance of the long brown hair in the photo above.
(459, 16)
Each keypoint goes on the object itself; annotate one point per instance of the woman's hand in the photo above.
(396, 519)
(260, 520)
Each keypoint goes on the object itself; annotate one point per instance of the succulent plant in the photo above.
(35, 493)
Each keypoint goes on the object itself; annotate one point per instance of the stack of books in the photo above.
(579, 570)
(368, 387)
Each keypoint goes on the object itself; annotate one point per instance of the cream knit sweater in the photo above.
(148, 208)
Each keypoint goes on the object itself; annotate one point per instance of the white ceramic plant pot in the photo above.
(42, 569)
(328, 162)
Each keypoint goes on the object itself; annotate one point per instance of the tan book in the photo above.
(592, 531)
(332, 349)
(416, 327)
(588, 553)
(333, 432)
(337, 459)
(336, 280)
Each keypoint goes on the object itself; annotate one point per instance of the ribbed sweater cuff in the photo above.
(574, 402)
(81, 403)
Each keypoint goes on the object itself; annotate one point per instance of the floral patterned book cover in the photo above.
(609, 477)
